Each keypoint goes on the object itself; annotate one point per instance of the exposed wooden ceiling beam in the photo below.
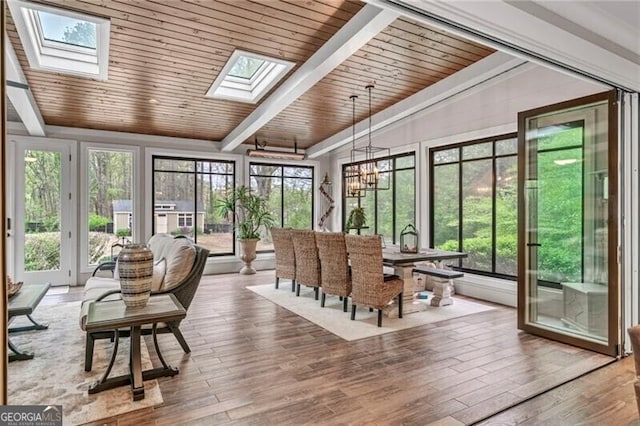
(477, 73)
(19, 93)
(365, 25)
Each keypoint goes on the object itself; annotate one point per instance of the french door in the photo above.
(568, 266)
(43, 212)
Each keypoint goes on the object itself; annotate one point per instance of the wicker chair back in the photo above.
(306, 255)
(334, 263)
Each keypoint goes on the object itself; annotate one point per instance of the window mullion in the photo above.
(494, 177)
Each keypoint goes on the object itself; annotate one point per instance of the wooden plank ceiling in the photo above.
(165, 55)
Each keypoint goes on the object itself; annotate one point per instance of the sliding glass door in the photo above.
(568, 281)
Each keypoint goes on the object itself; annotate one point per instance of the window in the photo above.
(563, 220)
(110, 193)
(247, 77)
(289, 191)
(61, 40)
(165, 206)
(185, 194)
(474, 204)
(185, 220)
(388, 211)
(246, 67)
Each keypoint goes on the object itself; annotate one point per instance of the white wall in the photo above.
(493, 104)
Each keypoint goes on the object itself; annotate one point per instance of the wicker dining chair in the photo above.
(370, 286)
(334, 264)
(285, 258)
(307, 262)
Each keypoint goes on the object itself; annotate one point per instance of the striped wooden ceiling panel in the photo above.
(164, 56)
(400, 61)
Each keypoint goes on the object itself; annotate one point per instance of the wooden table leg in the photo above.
(137, 384)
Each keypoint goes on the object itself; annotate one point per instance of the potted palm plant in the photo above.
(250, 212)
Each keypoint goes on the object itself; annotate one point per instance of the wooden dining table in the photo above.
(403, 264)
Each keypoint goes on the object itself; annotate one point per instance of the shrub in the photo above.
(51, 224)
(42, 251)
(123, 232)
(97, 222)
(180, 231)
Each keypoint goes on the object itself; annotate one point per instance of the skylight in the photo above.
(60, 40)
(246, 67)
(63, 29)
(246, 77)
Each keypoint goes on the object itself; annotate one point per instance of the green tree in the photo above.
(81, 34)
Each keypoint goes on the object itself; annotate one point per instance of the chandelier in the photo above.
(352, 173)
(368, 172)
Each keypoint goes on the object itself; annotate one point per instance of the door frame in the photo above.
(613, 300)
(69, 206)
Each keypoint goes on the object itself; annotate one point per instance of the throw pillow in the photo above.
(159, 270)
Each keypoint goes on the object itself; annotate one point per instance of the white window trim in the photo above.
(85, 267)
(248, 90)
(58, 57)
(69, 222)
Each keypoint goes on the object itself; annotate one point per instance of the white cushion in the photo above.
(159, 271)
(160, 245)
(180, 256)
(93, 289)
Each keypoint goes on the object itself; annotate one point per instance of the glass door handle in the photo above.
(534, 245)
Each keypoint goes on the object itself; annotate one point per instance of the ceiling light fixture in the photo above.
(260, 151)
(352, 171)
(369, 172)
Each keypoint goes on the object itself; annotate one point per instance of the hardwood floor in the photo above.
(255, 363)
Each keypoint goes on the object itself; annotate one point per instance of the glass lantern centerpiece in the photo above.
(409, 239)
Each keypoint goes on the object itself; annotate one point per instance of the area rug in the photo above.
(56, 376)
(333, 319)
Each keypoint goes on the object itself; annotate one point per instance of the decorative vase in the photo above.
(135, 267)
(248, 255)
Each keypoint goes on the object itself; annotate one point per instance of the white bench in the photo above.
(442, 283)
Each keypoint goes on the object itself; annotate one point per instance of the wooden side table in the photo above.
(24, 303)
(113, 315)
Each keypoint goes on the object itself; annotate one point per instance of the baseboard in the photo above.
(491, 289)
(231, 264)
